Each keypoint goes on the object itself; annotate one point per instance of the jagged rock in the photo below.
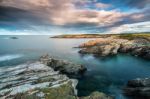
(139, 87)
(143, 51)
(104, 50)
(63, 66)
(112, 46)
(35, 81)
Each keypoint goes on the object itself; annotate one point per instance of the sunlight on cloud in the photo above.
(131, 28)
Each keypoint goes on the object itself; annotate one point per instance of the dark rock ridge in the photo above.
(63, 66)
(112, 46)
(138, 88)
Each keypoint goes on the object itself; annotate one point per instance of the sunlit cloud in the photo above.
(77, 13)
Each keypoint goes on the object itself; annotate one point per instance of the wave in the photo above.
(9, 57)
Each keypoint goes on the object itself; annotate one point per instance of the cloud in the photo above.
(102, 5)
(68, 13)
(62, 12)
(131, 28)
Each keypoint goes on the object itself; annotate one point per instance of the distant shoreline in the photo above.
(126, 36)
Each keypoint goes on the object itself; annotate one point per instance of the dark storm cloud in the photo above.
(12, 17)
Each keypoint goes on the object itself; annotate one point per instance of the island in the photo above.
(13, 37)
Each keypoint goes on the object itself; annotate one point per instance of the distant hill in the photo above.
(125, 35)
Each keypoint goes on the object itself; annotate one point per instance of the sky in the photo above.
(29, 17)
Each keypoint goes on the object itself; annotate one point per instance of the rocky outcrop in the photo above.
(39, 81)
(35, 81)
(103, 50)
(113, 46)
(63, 66)
(139, 88)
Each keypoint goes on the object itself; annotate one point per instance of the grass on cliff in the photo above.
(136, 35)
(124, 36)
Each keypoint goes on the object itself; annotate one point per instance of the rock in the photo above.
(112, 46)
(39, 81)
(139, 87)
(63, 66)
(104, 50)
(143, 51)
(97, 95)
(13, 37)
(35, 81)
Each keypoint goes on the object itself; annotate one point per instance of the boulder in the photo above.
(63, 66)
(139, 87)
(142, 51)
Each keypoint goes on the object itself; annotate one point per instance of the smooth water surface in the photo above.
(109, 74)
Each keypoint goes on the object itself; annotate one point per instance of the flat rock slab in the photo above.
(34, 80)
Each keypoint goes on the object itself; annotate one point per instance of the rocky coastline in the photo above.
(112, 46)
(44, 79)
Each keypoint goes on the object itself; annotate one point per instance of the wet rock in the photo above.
(139, 87)
(63, 66)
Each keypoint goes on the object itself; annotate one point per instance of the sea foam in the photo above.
(9, 57)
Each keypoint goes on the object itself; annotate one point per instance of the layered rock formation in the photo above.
(138, 88)
(36, 80)
(112, 46)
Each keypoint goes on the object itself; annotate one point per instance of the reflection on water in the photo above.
(107, 74)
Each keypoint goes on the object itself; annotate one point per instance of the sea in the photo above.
(104, 74)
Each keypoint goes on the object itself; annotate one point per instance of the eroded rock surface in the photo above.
(35, 80)
(139, 88)
(38, 81)
(112, 46)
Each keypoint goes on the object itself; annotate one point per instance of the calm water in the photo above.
(108, 75)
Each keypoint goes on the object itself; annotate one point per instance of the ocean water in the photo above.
(108, 75)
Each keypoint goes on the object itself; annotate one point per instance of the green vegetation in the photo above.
(97, 95)
(124, 36)
(136, 35)
(63, 92)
